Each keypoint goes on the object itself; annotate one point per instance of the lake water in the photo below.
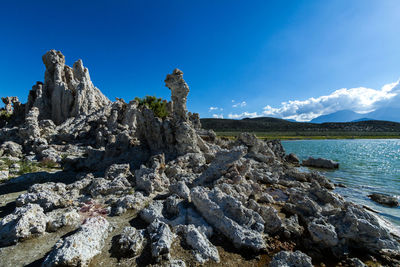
(366, 166)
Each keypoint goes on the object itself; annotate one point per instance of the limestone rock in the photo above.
(48, 195)
(323, 233)
(79, 248)
(135, 201)
(223, 160)
(239, 224)
(132, 241)
(11, 148)
(67, 92)
(185, 135)
(204, 249)
(25, 222)
(161, 239)
(291, 259)
(60, 218)
(181, 189)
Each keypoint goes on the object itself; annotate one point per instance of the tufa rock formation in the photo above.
(111, 183)
(66, 92)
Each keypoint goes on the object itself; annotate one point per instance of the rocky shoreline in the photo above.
(117, 185)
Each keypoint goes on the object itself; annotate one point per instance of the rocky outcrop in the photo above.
(186, 137)
(320, 163)
(66, 92)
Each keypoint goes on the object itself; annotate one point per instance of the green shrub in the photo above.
(157, 105)
(27, 167)
(5, 116)
(47, 163)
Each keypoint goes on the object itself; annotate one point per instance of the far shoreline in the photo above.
(293, 137)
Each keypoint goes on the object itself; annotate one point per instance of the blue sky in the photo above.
(241, 58)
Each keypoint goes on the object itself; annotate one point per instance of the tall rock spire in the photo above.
(66, 92)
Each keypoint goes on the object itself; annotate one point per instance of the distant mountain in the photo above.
(385, 114)
(338, 116)
(382, 114)
(268, 124)
(363, 119)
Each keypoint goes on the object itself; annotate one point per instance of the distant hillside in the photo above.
(383, 114)
(339, 116)
(267, 124)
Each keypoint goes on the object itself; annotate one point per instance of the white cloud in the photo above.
(240, 104)
(243, 115)
(218, 116)
(212, 109)
(359, 99)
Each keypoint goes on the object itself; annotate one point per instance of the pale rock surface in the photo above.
(204, 250)
(132, 241)
(67, 92)
(323, 233)
(25, 222)
(79, 248)
(60, 218)
(242, 226)
(49, 196)
(4, 175)
(11, 148)
(161, 239)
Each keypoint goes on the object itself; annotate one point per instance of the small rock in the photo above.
(384, 199)
(320, 163)
(4, 175)
(292, 158)
(117, 170)
(181, 189)
(132, 241)
(291, 259)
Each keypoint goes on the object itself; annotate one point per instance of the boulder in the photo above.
(323, 233)
(292, 158)
(25, 222)
(78, 249)
(204, 250)
(11, 148)
(131, 242)
(242, 226)
(161, 239)
(383, 199)
(320, 163)
(49, 196)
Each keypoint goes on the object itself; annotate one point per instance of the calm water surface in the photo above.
(366, 166)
